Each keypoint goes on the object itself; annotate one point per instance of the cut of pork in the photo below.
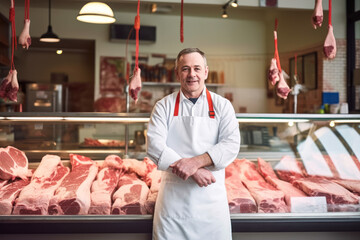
(273, 74)
(239, 198)
(334, 193)
(282, 88)
(153, 180)
(351, 185)
(73, 195)
(24, 38)
(3, 183)
(268, 198)
(289, 169)
(330, 44)
(35, 197)
(318, 15)
(135, 84)
(14, 163)
(126, 165)
(9, 193)
(102, 189)
(131, 196)
(288, 189)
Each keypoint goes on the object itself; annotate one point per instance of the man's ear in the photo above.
(206, 72)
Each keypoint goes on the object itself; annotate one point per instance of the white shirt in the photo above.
(222, 154)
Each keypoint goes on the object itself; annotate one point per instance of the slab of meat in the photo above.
(288, 169)
(24, 38)
(153, 180)
(273, 74)
(102, 190)
(282, 89)
(9, 193)
(135, 84)
(239, 198)
(3, 183)
(268, 199)
(287, 188)
(9, 86)
(330, 44)
(318, 15)
(14, 163)
(352, 185)
(126, 165)
(131, 196)
(334, 193)
(35, 197)
(73, 195)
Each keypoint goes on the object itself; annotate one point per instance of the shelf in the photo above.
(176, 84)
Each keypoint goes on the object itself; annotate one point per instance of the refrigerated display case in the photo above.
(322, 146)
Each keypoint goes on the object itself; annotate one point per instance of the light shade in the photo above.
(49, 36)
(96, 12)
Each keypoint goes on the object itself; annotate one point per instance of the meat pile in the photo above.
(130, 186)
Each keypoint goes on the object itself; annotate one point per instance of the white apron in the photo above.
(183, 209)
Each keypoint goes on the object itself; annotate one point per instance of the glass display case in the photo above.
(318, 155)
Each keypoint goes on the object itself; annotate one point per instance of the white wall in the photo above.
(242, 45)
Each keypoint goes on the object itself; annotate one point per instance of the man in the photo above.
(192, 136)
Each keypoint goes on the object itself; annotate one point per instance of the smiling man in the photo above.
(192, 136)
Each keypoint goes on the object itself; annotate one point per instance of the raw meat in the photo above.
(24, 38)
(330, 44)
(282, 89)
(287, 188)
(239, 198)
(35, 197)
(288, 169)
(14, 163)
(3, 183)
(8, 195)
(135, 84)
(318, 15)
(73, 195)
(126, 165)
(131, 196)
(268, 199)
(9, 86)
(153, 180)
(102, 190)
(273, 74)
(334, 193)
(352, 185)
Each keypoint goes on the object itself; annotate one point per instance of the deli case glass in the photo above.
(294, 172)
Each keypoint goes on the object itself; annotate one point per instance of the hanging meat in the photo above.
(282, 89)
(330, 42)
(317, 17)
(273, 74)
(24, 38)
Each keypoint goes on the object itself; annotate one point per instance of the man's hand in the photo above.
(203, 177)
(184, 168)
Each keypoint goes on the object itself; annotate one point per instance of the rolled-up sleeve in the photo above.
(228, 146)
(162, 155)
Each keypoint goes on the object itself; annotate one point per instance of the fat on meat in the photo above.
(126, 165)
(102, 190)
(273, 74)
(131, 196)
(24, 38)
(9, 193)
(72, 197)
(351, 185)
(330, 44)
(135, 84)
(289, 169)
(13, 163)
(34, 198)
(318, 15)
(153, 180)
(282, 89)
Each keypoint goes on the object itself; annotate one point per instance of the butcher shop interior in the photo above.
(73, 141)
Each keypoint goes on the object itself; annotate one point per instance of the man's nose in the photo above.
(192, 72)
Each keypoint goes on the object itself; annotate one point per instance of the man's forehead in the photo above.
(199, 60)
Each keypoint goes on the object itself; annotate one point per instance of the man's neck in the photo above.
(192, 94)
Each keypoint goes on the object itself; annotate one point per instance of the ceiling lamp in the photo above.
(234, 3)
(224, 15)
(49, 36)
(96, 12)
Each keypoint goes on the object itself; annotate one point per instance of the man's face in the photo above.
(191, 72)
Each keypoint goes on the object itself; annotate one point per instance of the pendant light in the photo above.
(96, 12)
(49, 36)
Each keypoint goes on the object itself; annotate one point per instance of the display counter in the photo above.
(323, 146)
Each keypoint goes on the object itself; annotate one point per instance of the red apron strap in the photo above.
(211, 107)
(210, 103)
(176, 110)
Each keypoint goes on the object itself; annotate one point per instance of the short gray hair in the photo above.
(187, 51)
